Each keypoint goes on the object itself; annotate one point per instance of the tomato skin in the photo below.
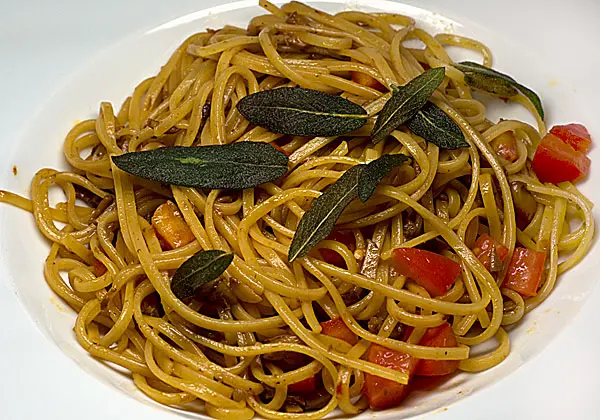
(305, 386)
(556, 161)
(345, 237)
(367, 80)
(432, 271)
(383, 393)
(525, 271)
(337, 328)
(484, 246)
(576, 135)
(441, 336)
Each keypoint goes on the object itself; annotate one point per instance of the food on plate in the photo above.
(309, 213)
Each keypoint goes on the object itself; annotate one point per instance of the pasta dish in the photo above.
(308, 214)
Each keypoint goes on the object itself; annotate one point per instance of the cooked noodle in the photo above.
(178, 353)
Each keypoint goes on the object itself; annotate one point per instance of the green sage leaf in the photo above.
(492, 84)
(302, 112)
(202, 268)
(435, 126)
(319, 220)
(406, 102)
(228, 166)
(490, 80)
(375, 171)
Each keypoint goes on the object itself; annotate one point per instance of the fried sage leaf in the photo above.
(228, 166)
(375, 171)
(490, 80)
(302, 112)
(492, 84)
(202, 268)
(319, 220)
(406, 102)
(435, 126)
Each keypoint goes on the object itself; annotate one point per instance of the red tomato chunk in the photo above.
(576, 135)
(383, 393)
(485, 246)
(431, 271)
(304, 387)
(525, 271)
(556, 161)
(345, 237)
(338, 329)
(441, 336)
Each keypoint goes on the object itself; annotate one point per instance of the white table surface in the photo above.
(41, 43)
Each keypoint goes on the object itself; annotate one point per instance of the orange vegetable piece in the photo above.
(367, 80)
(338, 329)
(170, 226)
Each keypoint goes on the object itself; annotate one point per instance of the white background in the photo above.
(43, 42)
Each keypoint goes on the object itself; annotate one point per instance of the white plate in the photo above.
(549, 48)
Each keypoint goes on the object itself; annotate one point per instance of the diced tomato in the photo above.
(278, 147)
(329, 256)
(305, 386)
(367, 80)
(170, 226)
(338, 329)
(441, 336)
(556, 161)
(434, 272)
(505, 146)
(575, 135)
(525, 271)
(99, 268)
(383, 393)
(485, 246)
